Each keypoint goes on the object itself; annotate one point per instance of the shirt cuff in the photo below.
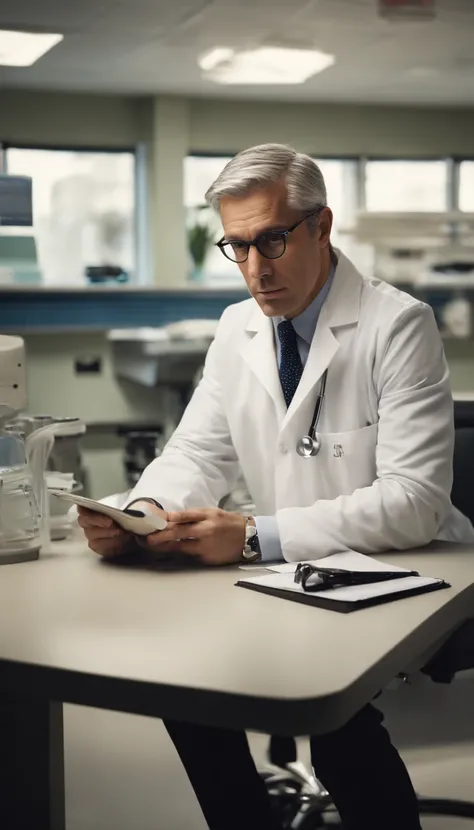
(269, 538)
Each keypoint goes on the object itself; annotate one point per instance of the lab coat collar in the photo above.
(341, 309)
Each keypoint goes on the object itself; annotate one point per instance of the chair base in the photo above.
(301, 802)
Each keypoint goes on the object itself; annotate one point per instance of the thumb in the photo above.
(188, 516)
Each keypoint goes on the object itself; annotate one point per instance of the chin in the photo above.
(274, 307)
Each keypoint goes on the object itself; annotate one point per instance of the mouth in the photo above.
(274, 292)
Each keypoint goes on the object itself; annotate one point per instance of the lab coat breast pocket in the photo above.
(348, 460)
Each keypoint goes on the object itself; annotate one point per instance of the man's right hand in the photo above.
(106, 538)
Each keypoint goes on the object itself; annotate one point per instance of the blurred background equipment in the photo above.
(18, 259)
(141, 448)
(408, 10)
(19, 518)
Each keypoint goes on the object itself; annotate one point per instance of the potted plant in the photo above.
(200, 239)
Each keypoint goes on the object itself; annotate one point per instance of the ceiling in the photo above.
(151, 46)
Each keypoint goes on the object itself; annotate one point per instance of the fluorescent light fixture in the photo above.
(265, 65)
(24, 48)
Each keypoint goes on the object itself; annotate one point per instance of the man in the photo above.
(317, 338)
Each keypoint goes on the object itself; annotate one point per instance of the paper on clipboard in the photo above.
(348, 560)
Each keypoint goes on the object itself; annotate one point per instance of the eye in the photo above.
(238, 246)
(272, 239)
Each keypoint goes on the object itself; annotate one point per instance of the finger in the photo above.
(99, 533)
(201, 530)
(89, 518)
(187, 516)
(103, 532)
(107, 548)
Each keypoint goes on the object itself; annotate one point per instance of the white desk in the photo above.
(190, 645)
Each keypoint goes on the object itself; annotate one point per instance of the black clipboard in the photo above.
(343, 607)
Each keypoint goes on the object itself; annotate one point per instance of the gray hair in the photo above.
(267, 164)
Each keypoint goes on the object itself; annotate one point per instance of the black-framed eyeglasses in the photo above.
(271, 244)
(312, 578)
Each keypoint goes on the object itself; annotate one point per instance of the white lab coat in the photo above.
(382, 479)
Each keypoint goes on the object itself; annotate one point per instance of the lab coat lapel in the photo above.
(340, 312)
(259, 354)
(323, 348)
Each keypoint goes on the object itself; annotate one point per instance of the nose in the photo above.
(258, 266)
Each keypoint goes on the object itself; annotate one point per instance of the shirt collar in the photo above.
(305, 323)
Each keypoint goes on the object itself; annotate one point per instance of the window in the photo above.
(340, 177)
(83, 209)
(466, 186)
(199, 174)
(406, 185)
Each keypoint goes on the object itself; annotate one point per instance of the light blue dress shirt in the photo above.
(305, 327)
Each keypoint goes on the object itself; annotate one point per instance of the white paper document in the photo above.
(348, 560)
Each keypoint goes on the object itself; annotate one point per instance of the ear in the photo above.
(325, 227)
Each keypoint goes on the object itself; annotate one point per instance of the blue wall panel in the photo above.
(109, 309)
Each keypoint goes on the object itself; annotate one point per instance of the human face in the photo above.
(285, 286)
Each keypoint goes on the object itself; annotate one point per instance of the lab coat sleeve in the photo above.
(198, 466)
(410, 498)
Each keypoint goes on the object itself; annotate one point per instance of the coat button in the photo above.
(283, 448)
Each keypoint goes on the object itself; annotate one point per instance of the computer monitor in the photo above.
(16, 201)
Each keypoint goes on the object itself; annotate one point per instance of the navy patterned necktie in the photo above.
(291, 367)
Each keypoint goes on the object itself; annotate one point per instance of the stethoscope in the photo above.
(309, 445)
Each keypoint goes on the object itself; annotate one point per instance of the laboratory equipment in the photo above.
(18, 256)
(141, 448)
(53, 454)
(19, 517)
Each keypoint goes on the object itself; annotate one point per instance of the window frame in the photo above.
(143, 270)
(457, 162)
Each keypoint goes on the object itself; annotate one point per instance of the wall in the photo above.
(333, 130)
(76, 120)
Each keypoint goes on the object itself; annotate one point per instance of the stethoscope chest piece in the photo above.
(308, 446)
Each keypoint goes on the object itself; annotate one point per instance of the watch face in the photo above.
(251, 530)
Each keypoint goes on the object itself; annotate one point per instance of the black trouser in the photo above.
(357, 764)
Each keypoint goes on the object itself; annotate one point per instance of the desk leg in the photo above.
(32, 766)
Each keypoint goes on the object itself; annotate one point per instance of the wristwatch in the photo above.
(251, 551)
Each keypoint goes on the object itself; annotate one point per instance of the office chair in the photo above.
(299, 799)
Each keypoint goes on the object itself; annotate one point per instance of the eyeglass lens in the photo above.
(271, 245)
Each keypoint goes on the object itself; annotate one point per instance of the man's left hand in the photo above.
(214, 536)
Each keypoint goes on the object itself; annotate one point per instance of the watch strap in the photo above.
(251, 551)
